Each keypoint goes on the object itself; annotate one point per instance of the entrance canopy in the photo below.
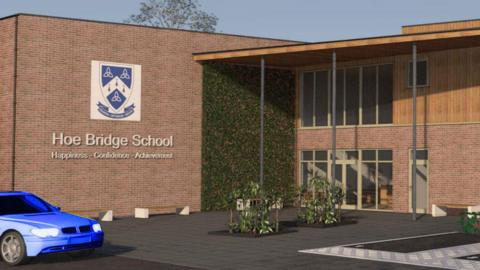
(297, 55)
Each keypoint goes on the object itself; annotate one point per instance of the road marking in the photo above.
(445, 258)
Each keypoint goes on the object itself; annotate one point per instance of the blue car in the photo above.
(29, 227)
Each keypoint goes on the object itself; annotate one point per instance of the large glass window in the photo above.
(307, 99)
(352, 90)
(360, 91)
(321, 98)
(377, 94)
(385, 94)
(340, 97)
(369, 95)
(313, 164)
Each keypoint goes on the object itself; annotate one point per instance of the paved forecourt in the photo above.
(184, 241)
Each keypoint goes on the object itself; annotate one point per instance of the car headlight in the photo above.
(42, 233)
(96, 227)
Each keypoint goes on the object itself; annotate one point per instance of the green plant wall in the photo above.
(231, 128)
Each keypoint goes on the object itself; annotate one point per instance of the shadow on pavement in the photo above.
(107, 250)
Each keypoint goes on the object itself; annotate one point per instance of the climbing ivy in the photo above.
(231, 128)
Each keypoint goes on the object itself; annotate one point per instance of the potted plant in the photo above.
(320, 203)
(250, 210)
(470, 222)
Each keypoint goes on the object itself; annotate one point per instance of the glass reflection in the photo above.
(369, 185)
(351, 185)
(385, 187)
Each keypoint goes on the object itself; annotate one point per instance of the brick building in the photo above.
(45, 84)
(368, 124)
(46, 91)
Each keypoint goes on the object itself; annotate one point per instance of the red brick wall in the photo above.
(53, 95)
(454, 173)
(7, 49)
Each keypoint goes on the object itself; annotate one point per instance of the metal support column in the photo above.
(334, 114)
(414, 131)
(262, 102)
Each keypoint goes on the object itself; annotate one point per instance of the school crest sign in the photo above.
(115, 91)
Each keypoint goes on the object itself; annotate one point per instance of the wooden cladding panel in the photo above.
(435, 27)
(453, 93)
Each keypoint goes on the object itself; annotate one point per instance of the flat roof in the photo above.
(143, 26)
(306, 54)
(442, 22)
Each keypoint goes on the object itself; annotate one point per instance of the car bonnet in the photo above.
(51, 219)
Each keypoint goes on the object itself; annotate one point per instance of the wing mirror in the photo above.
(56, 208)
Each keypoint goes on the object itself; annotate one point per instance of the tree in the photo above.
(179, 14)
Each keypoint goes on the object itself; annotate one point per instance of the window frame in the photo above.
(427, 73)
(312, 161)
(360, 93)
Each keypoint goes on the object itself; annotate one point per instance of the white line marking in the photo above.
(379, 260)
(401, 238)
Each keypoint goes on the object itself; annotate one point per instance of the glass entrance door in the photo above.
(366, 176)
(346, 176)
(351, 186)
(376, 185)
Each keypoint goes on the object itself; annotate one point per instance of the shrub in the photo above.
(321, 201)
(253, 214)
(470, 222)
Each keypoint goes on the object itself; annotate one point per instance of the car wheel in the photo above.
(12, 249)
(81, 253)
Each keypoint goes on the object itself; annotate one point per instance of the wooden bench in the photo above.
(455, 209)
(168, 209)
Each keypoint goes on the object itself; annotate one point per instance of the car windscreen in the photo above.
(22, 204)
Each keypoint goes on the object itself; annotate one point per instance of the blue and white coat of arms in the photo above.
(115, 91)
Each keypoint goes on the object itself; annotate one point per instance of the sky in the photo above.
(302, 20)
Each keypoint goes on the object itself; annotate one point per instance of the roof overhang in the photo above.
(307, 54)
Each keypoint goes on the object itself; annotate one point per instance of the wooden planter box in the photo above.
(252, 235)
(322, 225)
